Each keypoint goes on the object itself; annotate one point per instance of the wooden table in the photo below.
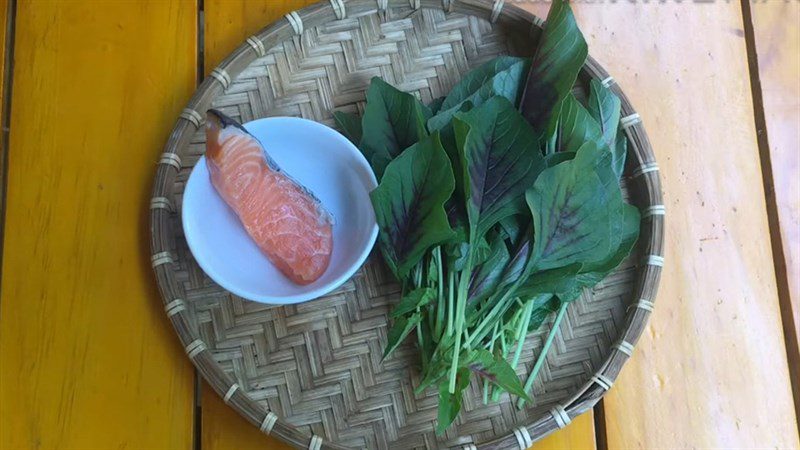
(90, 361)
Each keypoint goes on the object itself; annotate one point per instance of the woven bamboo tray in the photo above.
(310, 374)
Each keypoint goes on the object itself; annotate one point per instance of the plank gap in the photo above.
(773, 219)
(201, 41)
(600, 436)
(197, 435)
(5, 95)
(197, 424)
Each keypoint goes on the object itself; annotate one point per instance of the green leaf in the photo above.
(501, 76)
(350, 125)
(575, 126)
(436, 370)
(513, 227)
(558, 158)
(450, 404)
(628, 230)
(425, 343)
(458, 252)
(478, 78)
(415, 299)
(598, 158)
(393, 121)
(498, 371)
(480, 251)
(399, 331)
(620, 153)
(572, 215)
(499, 159)
(605, 108)
(409, 205)
(455, 249)
(519, 259)
(490, 273)
(559, 57)
(541, 313)
(455, 208)
(435, 105)
(433, 272)
(567, 282)
(562, 282)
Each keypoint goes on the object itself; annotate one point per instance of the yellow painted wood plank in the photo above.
(89, 359)
(710, 369)
(229, 22)
(223, 428)
(777, 41)
(579, 435)
(227, 25)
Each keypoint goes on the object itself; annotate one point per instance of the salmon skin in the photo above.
(287, 222)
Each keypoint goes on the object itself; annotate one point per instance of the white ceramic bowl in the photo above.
(322, 160)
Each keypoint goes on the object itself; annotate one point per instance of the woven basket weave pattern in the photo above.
(317, 365)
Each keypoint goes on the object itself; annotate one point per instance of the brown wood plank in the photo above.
(88, 358)
(776, 36)
(711, 369)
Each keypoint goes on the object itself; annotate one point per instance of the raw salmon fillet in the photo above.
(284, 218)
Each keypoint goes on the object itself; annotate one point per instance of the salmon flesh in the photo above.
(287, 222)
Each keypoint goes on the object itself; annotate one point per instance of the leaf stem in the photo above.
(421, 344)
(441, 306)
(451, 287)
(522, 332)
(543, 354)
(503, 344)
(461, 303)
(491, 350)
(433, 314)
(520, 335)
(482, 329)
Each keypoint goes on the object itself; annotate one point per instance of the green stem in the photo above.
(543, 354)
(520, 335)
(483, 328)
(522, 332)
(416, 284)
(432, 313)
(481, 331)
(441, 306)
(491, 350)
(461, 303)
(421, 344)
(451, 288)
(550, 148)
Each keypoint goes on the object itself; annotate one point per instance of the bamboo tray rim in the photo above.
(292, 27)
